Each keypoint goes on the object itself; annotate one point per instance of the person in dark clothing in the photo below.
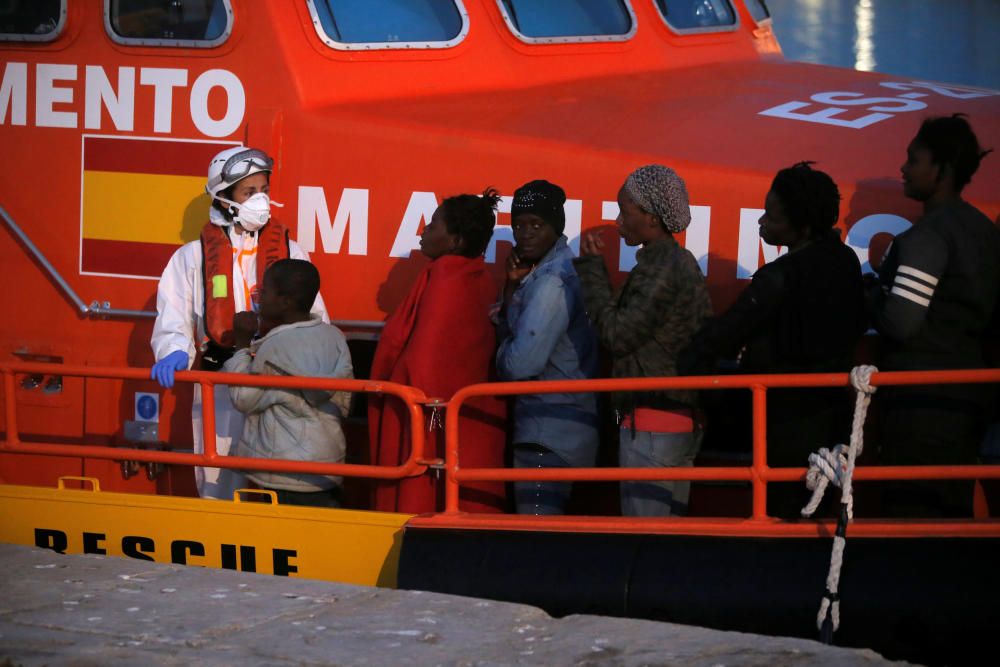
(934, 306)
(801, 313)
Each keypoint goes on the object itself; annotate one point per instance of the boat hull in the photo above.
(929, 600)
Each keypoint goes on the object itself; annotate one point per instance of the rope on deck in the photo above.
(837, 466)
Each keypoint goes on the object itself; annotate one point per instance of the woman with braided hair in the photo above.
(440, 339)
(801, 313)
(643, 325)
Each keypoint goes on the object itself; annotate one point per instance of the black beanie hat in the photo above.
(543, 199)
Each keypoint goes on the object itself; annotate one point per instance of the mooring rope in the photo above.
(837, 466)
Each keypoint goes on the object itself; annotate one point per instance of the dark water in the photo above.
(955, 41)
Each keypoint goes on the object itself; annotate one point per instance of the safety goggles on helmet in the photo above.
(240, 165)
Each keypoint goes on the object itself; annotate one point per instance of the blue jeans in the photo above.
(645, 449)
(540, 497)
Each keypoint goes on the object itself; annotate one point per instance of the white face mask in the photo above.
(254, 212)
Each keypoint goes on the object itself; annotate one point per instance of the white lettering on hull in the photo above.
(502, 231)
(352, 214)
(420, 210)
(14, 94)
(48, 94)
(119, 102)
(57, 104)
(862, 232)
(351, 219)
(839, 103)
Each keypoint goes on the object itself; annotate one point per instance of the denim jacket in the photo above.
(546, 335)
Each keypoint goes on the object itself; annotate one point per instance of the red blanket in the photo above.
(439, 340)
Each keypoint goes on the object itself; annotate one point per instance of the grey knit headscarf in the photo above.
(660, 191)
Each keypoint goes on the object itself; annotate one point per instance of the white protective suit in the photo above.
(180, 325)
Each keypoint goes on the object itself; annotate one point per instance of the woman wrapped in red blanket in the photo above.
(440, 339)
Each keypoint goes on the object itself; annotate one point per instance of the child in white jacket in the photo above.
(295, 424)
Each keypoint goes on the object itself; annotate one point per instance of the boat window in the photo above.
(389, 24)
(546, 21)
(758, 10)
(697, 15)
(32, 20)
(197, 23)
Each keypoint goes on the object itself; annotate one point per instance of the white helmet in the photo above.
(234, 164)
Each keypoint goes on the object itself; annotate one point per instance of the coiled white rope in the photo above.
(837, 466)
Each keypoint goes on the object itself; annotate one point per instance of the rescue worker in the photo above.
(207, 282)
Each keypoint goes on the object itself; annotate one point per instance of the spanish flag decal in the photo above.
(142, 198)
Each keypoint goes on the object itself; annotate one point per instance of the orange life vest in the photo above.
(217, 271)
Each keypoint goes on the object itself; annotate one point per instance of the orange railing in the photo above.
(414, 400)
(758, 474)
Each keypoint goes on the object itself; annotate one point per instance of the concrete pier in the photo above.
(96, 610)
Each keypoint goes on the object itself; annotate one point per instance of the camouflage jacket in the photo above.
(646, 322)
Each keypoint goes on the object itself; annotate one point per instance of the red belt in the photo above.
(660, 421)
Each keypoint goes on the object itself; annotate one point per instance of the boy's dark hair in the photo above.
(810, 197)
(471, 218)
(952, 143)
(297, 279)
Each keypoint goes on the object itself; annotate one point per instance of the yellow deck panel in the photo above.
(348, 546)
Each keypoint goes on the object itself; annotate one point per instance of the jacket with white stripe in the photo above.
(939, 286)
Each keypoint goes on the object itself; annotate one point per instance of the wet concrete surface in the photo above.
(96, 610)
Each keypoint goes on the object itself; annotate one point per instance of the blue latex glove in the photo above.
(163, 370)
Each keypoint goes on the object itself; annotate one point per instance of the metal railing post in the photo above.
(208, 419)
(418, 434)
(10, 406)
(759, 467)
(451, 484)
